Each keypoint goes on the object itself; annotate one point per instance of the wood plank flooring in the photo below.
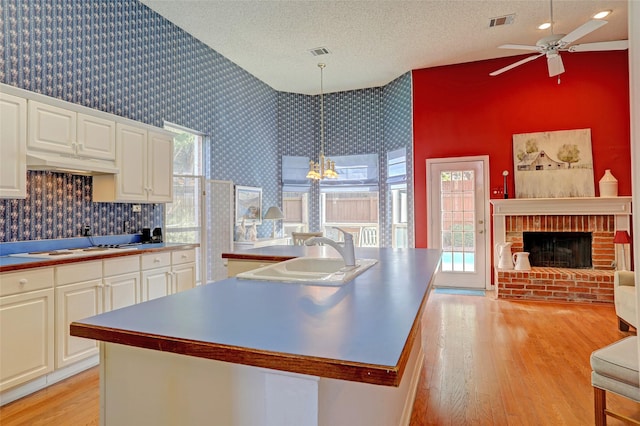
(487, 362)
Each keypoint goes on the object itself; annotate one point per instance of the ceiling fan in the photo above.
(552, 45)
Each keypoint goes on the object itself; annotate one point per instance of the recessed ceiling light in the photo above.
(544, 26)
(602, 14)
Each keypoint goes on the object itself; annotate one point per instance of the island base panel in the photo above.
(143, 386)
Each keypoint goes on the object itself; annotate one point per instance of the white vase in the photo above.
(608, 185)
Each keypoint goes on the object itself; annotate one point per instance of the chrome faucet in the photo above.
(347, 252)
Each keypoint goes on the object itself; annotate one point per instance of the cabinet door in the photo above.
(122, 290)
(156, 283)
(160, 167)
(75, 302)
(96, 137)
(13, 146)
(184, 277)
(26, 337)
(131, 148)
(51, 128)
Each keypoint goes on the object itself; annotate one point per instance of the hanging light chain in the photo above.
(324, 168)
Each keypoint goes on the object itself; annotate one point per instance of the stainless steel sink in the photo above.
(312, 270)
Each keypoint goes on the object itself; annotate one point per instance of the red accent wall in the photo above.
(459, 110)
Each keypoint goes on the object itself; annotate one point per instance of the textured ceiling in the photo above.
(372, 42)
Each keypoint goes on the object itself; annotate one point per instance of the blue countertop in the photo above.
(367, 322)
(8, 263)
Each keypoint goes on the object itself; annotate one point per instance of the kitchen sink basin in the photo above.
(312, 270)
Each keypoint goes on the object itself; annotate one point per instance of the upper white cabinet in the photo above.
(130, 161)
(145, 160)
(51, 128)
(13, 146)
(160, 167)
(96, 137)
(63, 131)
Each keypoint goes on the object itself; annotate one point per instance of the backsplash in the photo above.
(58, 205)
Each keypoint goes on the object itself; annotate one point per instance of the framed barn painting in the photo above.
(555, 164)
(248, 205)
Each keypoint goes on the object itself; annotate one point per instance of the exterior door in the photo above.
(457, 212)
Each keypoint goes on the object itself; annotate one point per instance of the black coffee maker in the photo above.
(156, 235)
(146, 235)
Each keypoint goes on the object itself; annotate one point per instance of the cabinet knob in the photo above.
(184, 256)
(23, 281)
(156, 260)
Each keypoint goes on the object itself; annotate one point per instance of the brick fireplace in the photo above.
(599, 216)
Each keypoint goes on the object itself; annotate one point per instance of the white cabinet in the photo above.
(160, 167)
(156, 275)
(13, 146)
(145, 160)
(121, 282)
(63, 131)
(26, 326)
(78, 295)
(183, 269)
(51, 128)
(96, 137)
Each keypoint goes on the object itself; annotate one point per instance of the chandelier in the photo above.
(324, 168)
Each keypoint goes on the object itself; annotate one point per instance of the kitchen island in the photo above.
(241, 352)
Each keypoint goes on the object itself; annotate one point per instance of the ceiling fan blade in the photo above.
(555, 65)
(515, 64)
(599, 46)
(518, 47)
(582, 31)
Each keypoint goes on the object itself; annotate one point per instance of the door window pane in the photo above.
(458, 220)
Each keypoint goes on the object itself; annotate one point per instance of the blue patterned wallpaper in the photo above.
(375, 120)
(121, 57)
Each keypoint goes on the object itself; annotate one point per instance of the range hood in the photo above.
(76, 166)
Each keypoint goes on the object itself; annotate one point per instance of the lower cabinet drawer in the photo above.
(25, 281)
(155, 260)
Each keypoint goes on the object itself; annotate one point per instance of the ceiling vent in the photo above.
(318, 51)
(501, 20)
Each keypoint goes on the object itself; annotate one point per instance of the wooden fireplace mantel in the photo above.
(562, 206)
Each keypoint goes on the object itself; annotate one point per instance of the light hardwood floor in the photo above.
(487, 362)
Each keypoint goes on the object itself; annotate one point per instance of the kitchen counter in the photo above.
(366, 331)
(12, 263)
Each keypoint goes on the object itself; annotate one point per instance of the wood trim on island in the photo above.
(313, 366)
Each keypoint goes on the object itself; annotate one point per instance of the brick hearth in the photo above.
(575, 285)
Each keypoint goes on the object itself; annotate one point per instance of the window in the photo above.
(183, 217)
(295, 194)
(397, 182)
(351, 201)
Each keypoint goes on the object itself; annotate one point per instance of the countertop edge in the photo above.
(46, 262)
(314, 366)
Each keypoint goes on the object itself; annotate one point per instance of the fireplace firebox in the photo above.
(559, 249)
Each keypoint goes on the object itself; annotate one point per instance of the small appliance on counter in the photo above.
(156, 236)
(146, 236)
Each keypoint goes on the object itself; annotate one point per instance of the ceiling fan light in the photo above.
(601, 15)
(544, 26)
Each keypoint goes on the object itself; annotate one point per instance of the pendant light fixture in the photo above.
(324, 168)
